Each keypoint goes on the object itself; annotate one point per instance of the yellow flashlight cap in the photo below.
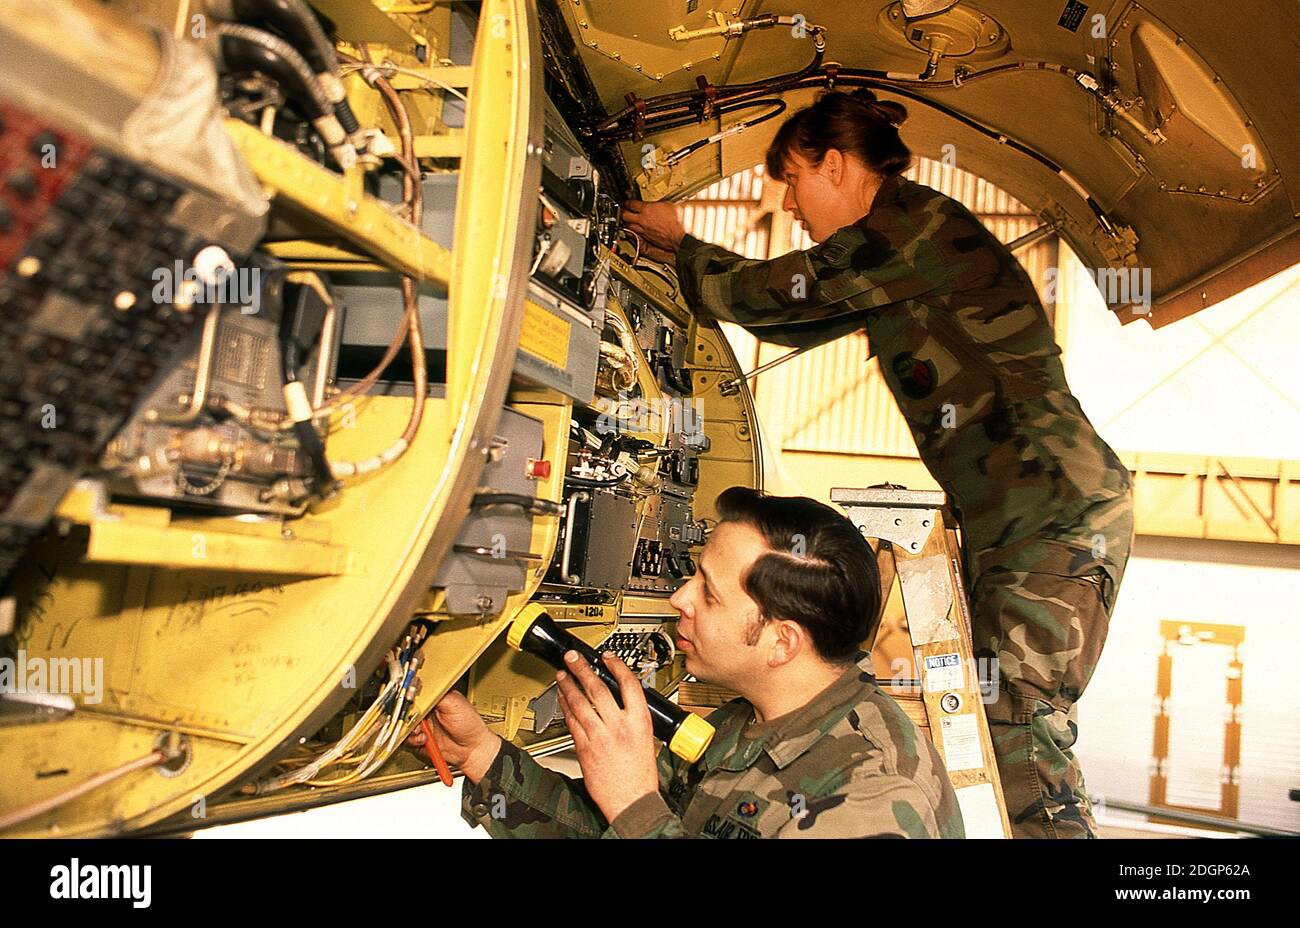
(691, 738)
(524, 621)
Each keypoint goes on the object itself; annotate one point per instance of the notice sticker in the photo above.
(1072, 15)
(944, 672)
(961, 742)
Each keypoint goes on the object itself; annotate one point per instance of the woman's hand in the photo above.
(616, 747)
(659, 224)
(462, 736)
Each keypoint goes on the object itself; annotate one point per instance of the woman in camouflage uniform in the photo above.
(1045, 505)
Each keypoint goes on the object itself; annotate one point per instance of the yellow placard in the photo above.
(544, 335)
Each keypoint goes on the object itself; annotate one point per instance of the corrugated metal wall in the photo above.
(832, 399)
(727, 213)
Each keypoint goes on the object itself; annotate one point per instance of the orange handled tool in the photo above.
(435, 756)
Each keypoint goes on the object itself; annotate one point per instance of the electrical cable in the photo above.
(830, 75)
(246, 49)
(590, 482)
(295, 20)
(779, 107)
(387, 67)
(413, 195)
(659, 271)
(533, 504)
(645, 107)
(366, 383)
(636, 255)
(648, 109)
(360, 732)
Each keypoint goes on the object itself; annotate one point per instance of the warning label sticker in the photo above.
(961, 742)
(544, 335)
(944, 672)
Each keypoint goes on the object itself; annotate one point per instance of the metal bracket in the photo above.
(902, 517)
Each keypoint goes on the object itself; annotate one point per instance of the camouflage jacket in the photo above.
(848, 764)
(969, 355)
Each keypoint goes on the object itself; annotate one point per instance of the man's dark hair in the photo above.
(820, 572)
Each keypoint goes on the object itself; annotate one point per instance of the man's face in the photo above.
(716, 613)
(812, 198)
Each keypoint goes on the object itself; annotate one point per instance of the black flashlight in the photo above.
(534, 631)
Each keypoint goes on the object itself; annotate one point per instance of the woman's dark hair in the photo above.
(855, 123)
(820, 572)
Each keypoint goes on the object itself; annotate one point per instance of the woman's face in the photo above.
(825, 197)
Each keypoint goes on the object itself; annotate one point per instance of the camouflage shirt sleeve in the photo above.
(650, 816)
(519, 798)
(895, 253)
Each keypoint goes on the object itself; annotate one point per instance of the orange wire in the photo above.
(435, 756)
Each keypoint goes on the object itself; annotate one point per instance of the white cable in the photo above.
(410, 73)
(541, 253)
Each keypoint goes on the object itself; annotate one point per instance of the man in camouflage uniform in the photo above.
(849, 764)
(1045, 506)
(832, 755)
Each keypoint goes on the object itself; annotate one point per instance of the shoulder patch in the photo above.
(917, 376)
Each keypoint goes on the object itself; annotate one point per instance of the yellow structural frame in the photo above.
(246, 658)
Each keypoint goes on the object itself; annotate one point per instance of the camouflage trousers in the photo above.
(1047, 632)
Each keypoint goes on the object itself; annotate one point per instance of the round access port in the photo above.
(962, 32)
(181, 762)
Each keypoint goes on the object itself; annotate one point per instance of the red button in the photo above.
(538, 470)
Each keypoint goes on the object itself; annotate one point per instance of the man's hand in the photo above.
(616, 747)
(462, 736)
(660, 226)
